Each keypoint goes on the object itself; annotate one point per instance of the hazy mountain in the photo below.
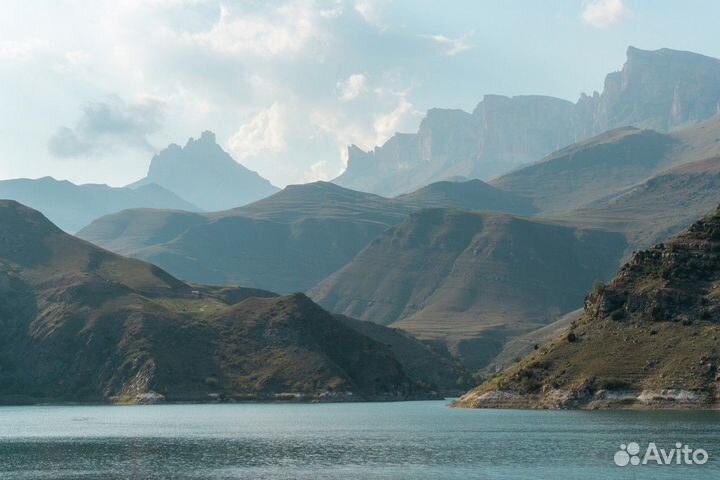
(472, 279)
(591, 170)
(649, 338)
(287, 242)
(595, 171)
(469, 194)
(658, 208)
(500, 134)
(660, 90)
(72, 206)
(81, 323)
(204, 174)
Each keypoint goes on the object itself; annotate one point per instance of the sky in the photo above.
(92, 89)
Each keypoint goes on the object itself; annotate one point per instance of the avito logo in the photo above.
(680, 455)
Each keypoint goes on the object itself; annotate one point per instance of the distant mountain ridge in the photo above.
(207, 176)
(287, 242)
(73, 206)
(661, 90)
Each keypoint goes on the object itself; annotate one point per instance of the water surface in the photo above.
(408, 440)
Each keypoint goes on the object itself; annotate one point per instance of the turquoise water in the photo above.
(409, 440)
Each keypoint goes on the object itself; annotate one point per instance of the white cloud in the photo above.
(453, 46)
(22, 50)
(285, 29)
(371, 11)
(351, 88)
(111, 125)
(386, 125)
(605, 13)
(321, 170)
(266, 132)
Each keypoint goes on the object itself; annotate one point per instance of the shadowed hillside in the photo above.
(287, 242)
(474, 279)
(84, 324)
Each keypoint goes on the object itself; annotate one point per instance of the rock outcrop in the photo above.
(649, 338)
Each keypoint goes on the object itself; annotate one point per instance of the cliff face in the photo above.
(500, 134)
(650, 338)
(661, 90)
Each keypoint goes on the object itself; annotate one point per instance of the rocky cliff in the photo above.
(662, 90)
(649, 338)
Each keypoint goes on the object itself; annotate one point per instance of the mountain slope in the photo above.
(591, 170)
(656, 209)
(661, 90)
(287, 242)
(420, 362)
(72, 206)
(470, 195)
(204, 174)
(649, 338)
(83, 324)
(594, 171)
(473, 279)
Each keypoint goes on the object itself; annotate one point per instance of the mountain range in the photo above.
(72, 206)
(649, 338)
(660, 90)
(287, 242)
(83, 324)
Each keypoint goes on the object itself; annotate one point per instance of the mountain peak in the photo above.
(208, 136)
(206, 175)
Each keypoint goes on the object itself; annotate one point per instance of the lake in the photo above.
(406, 440)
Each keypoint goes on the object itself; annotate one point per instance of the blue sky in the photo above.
(94, 88)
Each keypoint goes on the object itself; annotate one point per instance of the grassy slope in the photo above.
(84, 324)
(653, 328)
(476, 277)
(287, 242)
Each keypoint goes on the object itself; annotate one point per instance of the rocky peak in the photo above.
(206, 175)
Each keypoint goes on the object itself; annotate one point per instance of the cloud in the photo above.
(371, 11)
(107, 126)
(386, 125)
(265, 132)
(605, 13)
(22, 50)
(453, 46)
(351, 88)
(321, 170)
(285, 29)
